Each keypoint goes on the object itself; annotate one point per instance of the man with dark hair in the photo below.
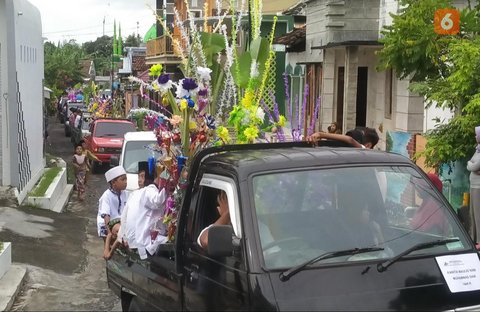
(358, 137)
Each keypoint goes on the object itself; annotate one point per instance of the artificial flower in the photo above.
(192, 125)
(210, 121)
(203, 92)
(189, 84)
(190, 103)
(281, 121)
(248, 98)
(251, 133)
(204, 73)
(223, 134)
(260, 114)
(155, 70)
(202, 103)
(163, 79)
(175, 120)
(183, 104)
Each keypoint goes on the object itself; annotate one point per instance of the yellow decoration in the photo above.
(183, 104)
(192, 125)
(248, 99)
(223, 134)
(251, 133)
(281, 121)
(155, 70)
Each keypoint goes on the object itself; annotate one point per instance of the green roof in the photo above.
(151, 34)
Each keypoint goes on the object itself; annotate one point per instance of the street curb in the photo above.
(10, 285)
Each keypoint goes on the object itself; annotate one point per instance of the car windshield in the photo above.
(136, 151)
(304, 214)
(113, 129)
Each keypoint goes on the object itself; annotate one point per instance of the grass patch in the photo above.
(45, 181)
(70, 174)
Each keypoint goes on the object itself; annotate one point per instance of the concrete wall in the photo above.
(21, 70)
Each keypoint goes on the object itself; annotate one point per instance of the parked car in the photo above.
(106, 138)
(83, 131)
(61, 109)
(70, 107)
(312, 228)
(135, 149)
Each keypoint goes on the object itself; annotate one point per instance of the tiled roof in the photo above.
(296, 36)
(138, 64)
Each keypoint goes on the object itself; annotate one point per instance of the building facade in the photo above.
(21, 95)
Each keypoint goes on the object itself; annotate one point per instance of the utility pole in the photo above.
(104, 25)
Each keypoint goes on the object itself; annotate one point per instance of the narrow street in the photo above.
(62, 253)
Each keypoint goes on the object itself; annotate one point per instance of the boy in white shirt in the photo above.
(112, 202)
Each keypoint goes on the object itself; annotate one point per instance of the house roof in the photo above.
(138, 63)
(144, 75)
(296, 36)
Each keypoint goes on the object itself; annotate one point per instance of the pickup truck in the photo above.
(312, 228)
(106, 138)
(134, 150)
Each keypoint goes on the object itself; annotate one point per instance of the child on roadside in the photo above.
(112, 202)
(80, 165)
(111, 242)
(90, 157)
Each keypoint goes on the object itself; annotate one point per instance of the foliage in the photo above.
(101, 52)
(62, 66)
(444, 69)
(45, 182)
(133, 41)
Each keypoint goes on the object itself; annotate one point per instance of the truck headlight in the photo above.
(101, 150)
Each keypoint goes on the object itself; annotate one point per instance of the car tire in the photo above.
(95, 166)
(134, 305)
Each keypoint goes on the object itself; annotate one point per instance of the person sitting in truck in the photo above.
(224, 219)
(111, 242)
(112, 201)
(145, 207)
(360, 138)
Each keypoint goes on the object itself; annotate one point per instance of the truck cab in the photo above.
(312, 228)
(106, 138)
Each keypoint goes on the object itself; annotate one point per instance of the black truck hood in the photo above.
(416, 284)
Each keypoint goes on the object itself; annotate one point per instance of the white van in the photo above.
(135, 149)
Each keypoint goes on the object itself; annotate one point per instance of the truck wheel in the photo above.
(67, 132)
(134, 306)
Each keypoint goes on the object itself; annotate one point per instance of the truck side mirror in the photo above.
(114, 160)
(220, 242)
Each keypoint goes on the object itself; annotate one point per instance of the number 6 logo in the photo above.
(447, 21)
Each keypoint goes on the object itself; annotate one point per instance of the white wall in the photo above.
(25, 67)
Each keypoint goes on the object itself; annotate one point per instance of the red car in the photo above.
(106, 138)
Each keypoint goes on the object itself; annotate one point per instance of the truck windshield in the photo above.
(303, 214)
(113, 129)
(134, 152)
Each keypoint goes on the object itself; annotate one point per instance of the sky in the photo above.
(82, 20)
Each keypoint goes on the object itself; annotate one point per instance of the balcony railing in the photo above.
(162, 45)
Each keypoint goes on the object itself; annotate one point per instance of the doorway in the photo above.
(362, 90)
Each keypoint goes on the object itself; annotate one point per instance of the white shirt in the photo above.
(110, 204)
(77, 121)
(144, 208)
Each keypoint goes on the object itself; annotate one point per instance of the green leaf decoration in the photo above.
(243, 76)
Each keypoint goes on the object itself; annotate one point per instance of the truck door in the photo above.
(220, 283)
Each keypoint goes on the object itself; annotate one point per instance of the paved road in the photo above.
(62, 252)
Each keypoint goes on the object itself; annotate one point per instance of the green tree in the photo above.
(133, 41)
(444, 69)
(101, 52)
(62, 65)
